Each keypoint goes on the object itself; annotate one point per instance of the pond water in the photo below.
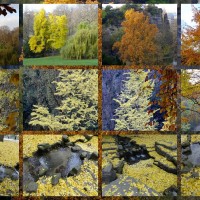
(60, 160)
(132, 152)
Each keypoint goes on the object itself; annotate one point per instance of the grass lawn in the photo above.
(57, 60)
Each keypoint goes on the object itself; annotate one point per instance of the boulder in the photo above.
(93, 156)
(65, 138)
(55, 179)
(88, 137)
(186, 150)
(185, 144)
(195, 175)
(119, 166)
(187, 163)
(8, 172)
(44, 147)
(42, 171)
(81, 140)
(31, 187)
(69, 144)
(15, 176)
(75, 148)
(74, 171)
(132, 142)
(108, 174)
(186, 169)
(83, 155)
(143, 146)
(171, 191)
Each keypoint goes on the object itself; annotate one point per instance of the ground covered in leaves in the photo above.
(152, 175)
(83, 183)
(9, 157)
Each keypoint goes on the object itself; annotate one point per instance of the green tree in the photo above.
(83, 44)
(133, 102)
(78, 90)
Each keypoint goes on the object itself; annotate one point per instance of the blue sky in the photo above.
(11, 19)
(186, 13)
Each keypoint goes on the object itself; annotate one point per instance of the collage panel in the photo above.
(136, 99)
(9, 36)
(58, 1)
(139, 34)
(190, 100)
(131, 107)
(60, 100)
(139, 165)
(60, 35)
(190, 163)
(190, 27)
(9, 165)
(60, 165)
(9, 101)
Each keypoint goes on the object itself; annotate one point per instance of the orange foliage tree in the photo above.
(190, 49)
(137, 45)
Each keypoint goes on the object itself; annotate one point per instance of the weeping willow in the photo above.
(83, 44)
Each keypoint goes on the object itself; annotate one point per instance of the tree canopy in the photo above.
(190, 48)
(78, 90)
(49, 32)
(83, 44)
(138, 42)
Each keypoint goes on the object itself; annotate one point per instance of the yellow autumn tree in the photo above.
(190, 48)
(49, 32)
(57, 31)
(137, 45)
(79, 105)
(38, 41)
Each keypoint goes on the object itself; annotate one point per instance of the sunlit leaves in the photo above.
(137, 45)
(190, 49)
(49, 32)
(78, 90)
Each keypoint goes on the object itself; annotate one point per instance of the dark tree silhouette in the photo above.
(4, 8)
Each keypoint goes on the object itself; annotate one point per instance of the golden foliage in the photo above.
(9, 153)
(151, 175)
(137, 45)
(190, 49)
(9, 187)
(30, 142)
(9, 102)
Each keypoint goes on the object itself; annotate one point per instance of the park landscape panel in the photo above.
(65, 34)
(190, 29)
(139, 34)
(9, 37)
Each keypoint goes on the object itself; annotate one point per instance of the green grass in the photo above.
(57, 60)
